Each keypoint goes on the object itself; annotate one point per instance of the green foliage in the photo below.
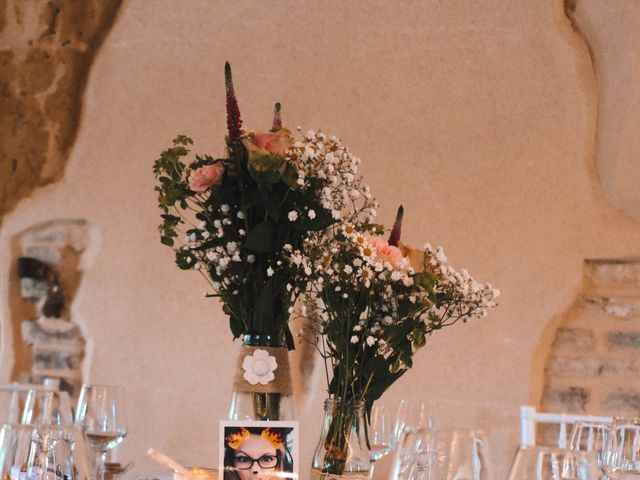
(248, 207)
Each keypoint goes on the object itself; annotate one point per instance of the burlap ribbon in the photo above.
(280, 384)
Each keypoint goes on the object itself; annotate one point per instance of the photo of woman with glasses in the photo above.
(257, 453)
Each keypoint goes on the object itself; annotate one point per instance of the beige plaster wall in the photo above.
(479, 117)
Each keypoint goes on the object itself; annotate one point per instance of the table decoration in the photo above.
(236, 221)
(376, 302)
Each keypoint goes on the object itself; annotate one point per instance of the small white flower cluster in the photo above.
(215, 246)
(357, 263)
(461, 284)
(320, 158)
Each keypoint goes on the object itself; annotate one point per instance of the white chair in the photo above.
(529, 418)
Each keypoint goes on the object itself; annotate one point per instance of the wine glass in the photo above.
(380, 434)
(549, 463)
(42, 452)
(412, 415)
(101, 415)
(587, 436)
(622, 457)
(463, 455)
(47, 407)
(415, 455)
(12, 403)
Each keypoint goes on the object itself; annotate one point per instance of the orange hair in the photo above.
(275, 439)
(234, 440)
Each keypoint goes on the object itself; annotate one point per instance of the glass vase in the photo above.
(270, 401)
(342, 452)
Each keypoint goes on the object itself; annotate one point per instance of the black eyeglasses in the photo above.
(245, 462)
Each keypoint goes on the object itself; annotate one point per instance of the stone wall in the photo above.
(593, 365)
(46, 51)
(47, 342)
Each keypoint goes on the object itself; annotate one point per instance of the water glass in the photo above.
(412, 415)
(622, 458)
(415, 455)
(550, 463)
(463, 455)
(12, 403)
(47, 407)
(593, 437)
(42, 452)
(380, 432)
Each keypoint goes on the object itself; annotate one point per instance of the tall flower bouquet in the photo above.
(237, 219)
(377, 301)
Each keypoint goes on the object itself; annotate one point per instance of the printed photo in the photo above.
(258, 450)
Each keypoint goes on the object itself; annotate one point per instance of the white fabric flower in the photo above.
(259, 367)
(293, 216)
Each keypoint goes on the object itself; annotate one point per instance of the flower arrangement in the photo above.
(377, 300)
(241, 216)
(237, 219)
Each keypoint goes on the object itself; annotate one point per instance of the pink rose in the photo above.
(384, 251)
(203, 177)
(268, 142)
(389, 253)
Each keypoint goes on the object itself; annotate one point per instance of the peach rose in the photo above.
(204, 177)
(268, 142)
(384, 251)
(389, 253)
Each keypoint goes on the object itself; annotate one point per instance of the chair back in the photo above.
(530, 418)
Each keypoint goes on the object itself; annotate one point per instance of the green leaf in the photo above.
(264, 315)
(184, 260)
(261, 238)
(182, 140)
(167, 241)
(425, 280)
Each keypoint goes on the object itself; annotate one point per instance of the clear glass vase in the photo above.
(259, 402)
(342, 452)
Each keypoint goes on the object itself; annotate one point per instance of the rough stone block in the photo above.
(44, 254)
(620, 367)
(574, 339)
(560, 366)
(614, 272)
(31, 289)
(620, 307)
(56, 359)
(622, 401)
(566, 399)
(34, 333)
(624, 339)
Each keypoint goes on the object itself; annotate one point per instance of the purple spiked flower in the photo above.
(394, 237)
(277, 119)
(234, 122)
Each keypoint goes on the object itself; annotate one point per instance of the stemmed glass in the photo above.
(42, 452)
(412, 415)
(622, 458)
(380, 434)
(416, 453)
(587, 436)
(463, 455)
(549, 463)
(44, 407)
(101, 415)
